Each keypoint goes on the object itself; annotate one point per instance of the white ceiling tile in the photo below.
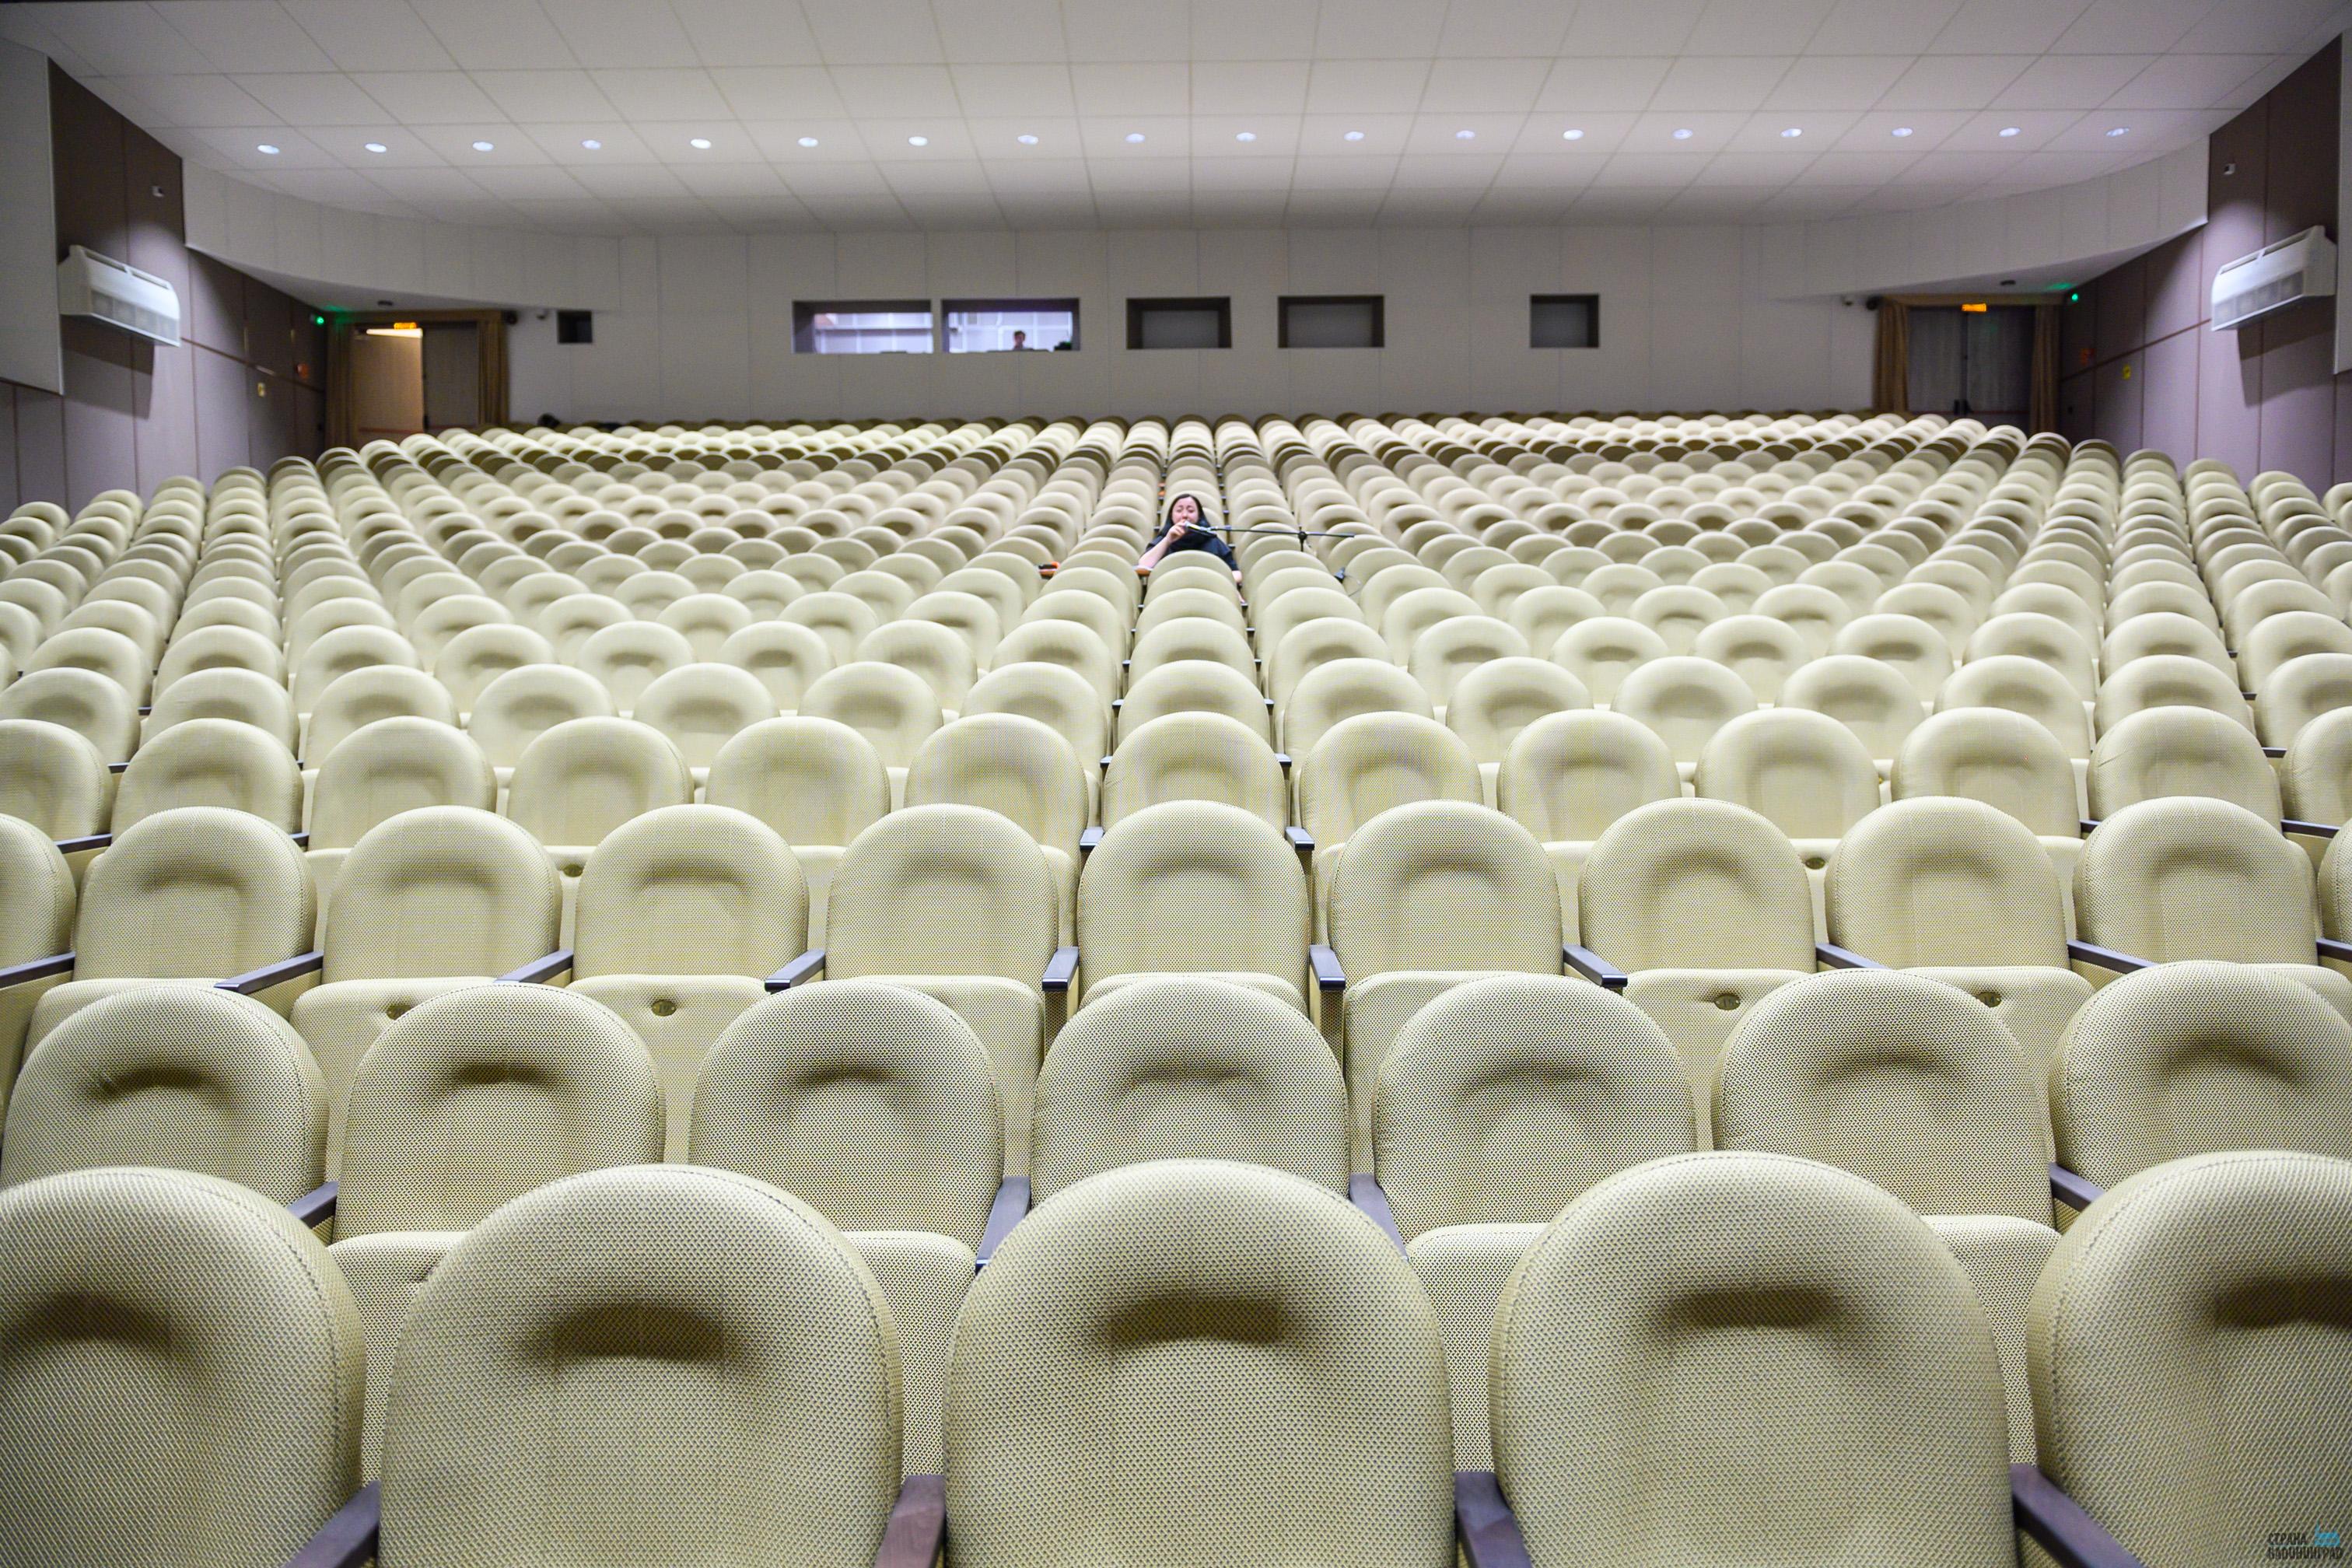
(664, 94)
(1709, 133)
(672, 142)
(1835, 81)
(1004, 32)
(541, 182)
(2071, 82)
(1112, 89)
(24, 25)
(1859, 168)
(545, 96)
(836, 141)
(2270, 27)
(1771, 170)
(835, 179)
(943, 139)
(1442, 172)
(1498, 29)
(1042, 176)
(627, 181)
(1649, 27)
(768, 92)
(508, 145)
(2120, 26)
(1767, 131)
(870, 92)
(2008, 27)
(1720, 82)
(1125, 30)
(2034, 127)
(873, 32)
(997, 91)
(1928, 128)
(748, 32)
(1365, 87)
(1484, 85)
(1057, 138)
(1273, 138)
(622, 33)
(2190, 81)
(1164, 136)
(333, 187)
(122, 39)
(488, 34)
(241, 144)
(1253, 87)
(1241, 174)
(402, 148)
(307, 98)
(1328, 174)
(1377, 29)
(371, 34)
(244, 36)
(426, 184)
(1125, 174)
(561, 140)
(1877, 27)
(1546, 133)
(1625, 82)
(428, 98)
(2147, 132)
(1954, 81)
(1255, 30)
(172, 101)
(1381, 135)
(1756, 27)
(1440, 135)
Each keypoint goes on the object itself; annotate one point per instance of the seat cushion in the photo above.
(1010, 1019)
(677, 1016)
(1698, 1009)
(341, 1020)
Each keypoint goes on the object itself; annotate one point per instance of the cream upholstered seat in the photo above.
(181, 1379)
(2169, 680)
(1194, 686)
(1960, 892)
(1804, 773)
(2175, 751)
(583, 778)
(627, 656)
(1195, 887)
(384, 768)
(91, 705)
(1067, 643)
(212, 762)
(478, 1095)
(431, 900)
(1195, 756)
(717, 1379)
(184, 1077)
(1870, 698)
(1494, 702)
(1687, 699)
(1158, 1333)
(1025, 772)
(2010, 764)
(338, 652)
(1309, 644)
(2187, 1341)
(37, 888)
(958, 902)
(53, 778)
(893, 708)
(188, 896)
(1191, 640)
(698, 708)
(817, 782)
(2187, 877)
(684, 913)
(366, 695)
(244, 695)
(2300, 691)
(2195, 1058)
(1343, 689)
(1691, 1337)
(785, 657)
(939, 654)
(1705, 905)
(1179, 1066)
(1370, 763)
(1446, 890)
(872, 1102)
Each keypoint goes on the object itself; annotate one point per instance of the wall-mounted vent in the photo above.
(122, 296)
(2300, 267)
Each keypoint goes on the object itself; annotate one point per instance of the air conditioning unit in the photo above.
(2300, 267)
(122, 296)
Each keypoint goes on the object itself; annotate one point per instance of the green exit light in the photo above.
(2075, 298)
(318, 321)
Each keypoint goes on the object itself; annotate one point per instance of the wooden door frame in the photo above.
(491, 338)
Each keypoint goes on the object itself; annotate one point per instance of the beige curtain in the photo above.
(1890, 376)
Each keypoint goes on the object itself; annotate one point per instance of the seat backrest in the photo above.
(936, 653)
(1505, 1098)
(690, 890)
(1068, 644)
(182, 1377)
(701, 707)
(2194, 1058)
(2005, 760)
(2185, 877)
(1604, 651)
(475, 1096)
(361, 698)
(1192, 885)
(786, 658)
(1013, 766)
(1344, 688)
(193, 893)
(625, 657)
(1195, 756)
(585, 777)
(1182, 1067)
(1904, 1079)
(1374, 762)
(2301, 691)
(1870, 698)
(2043, 639)
(873, 1103)
(37, 888)
(2184, 1346)
(1493, 703)
(1685, 699)
(82, 701)
(1695, 884)
(188, 1077)
(1444, 885)
(212, 762)
(895, 708)
(1804, 773)
(1689, 1338)
(1106, 1360)
(689, 1404)
(246, 695)
(813, 779)
(2315, 777)
(441, 890)
(2024, 685)
(1943, 880)
(394, 765)
(943, 890)
(342, 650)
(2169, 681)
(2164, 751)
(1196, 686)
(51, 777)
(1441, 657)
(1309, 644)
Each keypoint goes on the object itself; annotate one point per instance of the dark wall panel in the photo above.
(40, 445)
(2298, 407)
(2169, 394)
(2115, 389)
(8, 492)
(2300, 177)
(167, 418)
(221, 396)
(2229, 394)
(88, 138)
(218, 318)
(2122, 302)
(2175, 273)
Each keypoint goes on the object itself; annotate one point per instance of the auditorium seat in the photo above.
(585, 777)
(216, 763)
(1805, 774)
(1195, 887)
(1368, 764)
(818, 783)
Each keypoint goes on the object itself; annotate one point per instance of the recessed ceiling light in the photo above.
(485, 146)
(1572, 135)
(1353, 136)
(1134, 136)
(592, 144)
(808, 141)
(1900, 131)
(377, 147)
(1245, 135)
(700, 143)
(1026, 140)
(2118, 130)
(1682, 133)
(918, 141)
(266, 147)
(1465, 135)
(2011, 129)
(1791, 134)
